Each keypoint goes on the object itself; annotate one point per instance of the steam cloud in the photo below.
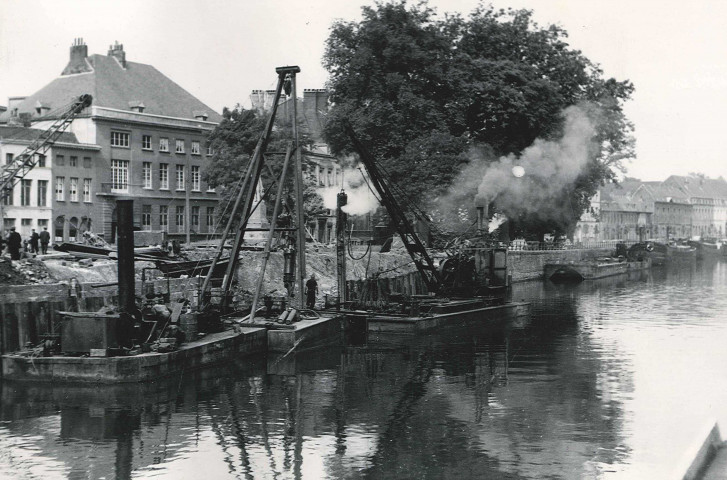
(360, 198)
(550, 166)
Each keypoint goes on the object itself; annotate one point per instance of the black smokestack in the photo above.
(125, 253)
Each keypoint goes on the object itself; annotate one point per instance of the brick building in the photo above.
(150, 135)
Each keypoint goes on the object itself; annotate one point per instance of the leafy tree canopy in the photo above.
(423, 90)
(234, 141)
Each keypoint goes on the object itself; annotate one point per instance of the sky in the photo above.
(674, 52)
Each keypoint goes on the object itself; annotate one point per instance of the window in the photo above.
(195, 148)
(26, 222)
(8, 158)
(163, 216)
(73, 190)
(210, 188)
(210, 151)
(179, 146)
(163, 144)
(210, 219)
(164, 176)
(25, 188)
(42, 193)
(87, 190)
(180, 177)
(194, 219)
(120, 175)
(180, 216)
(146, 168)
(60, 160)
(8, 199)
(146, 142)
(146, 217)
(195, 178)
(60, 181)
(87, 162)
(41, 160)
(119, 139)
(73, 162)
(42, 223)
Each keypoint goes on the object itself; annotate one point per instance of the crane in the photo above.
(418, 253)
(16, 170)
(456, 275)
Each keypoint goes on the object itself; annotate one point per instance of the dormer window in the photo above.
(41, 108)
(137, 106)
(200, 115)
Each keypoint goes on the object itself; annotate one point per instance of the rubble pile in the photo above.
(27, 271)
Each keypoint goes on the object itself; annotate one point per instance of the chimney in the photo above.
(77, 62)
(257, 100)
(482, 212)
(117, 51)
(315, 107)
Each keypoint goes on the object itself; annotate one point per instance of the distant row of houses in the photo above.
(678, 207)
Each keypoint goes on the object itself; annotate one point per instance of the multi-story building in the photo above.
(708, 198)
(672, 211)
(151, 139)
(678, 207)
(62, 202)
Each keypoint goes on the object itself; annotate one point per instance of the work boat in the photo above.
(469, 285)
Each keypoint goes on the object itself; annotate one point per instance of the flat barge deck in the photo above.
(213, 348)
(249, 340)
(591, 270)
(449, 314)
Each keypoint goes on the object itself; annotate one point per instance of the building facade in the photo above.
(149, 136)
(58, 193)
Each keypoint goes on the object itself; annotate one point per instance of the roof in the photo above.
(114, 86)
(613, 191)
(698, 187)
(25, 134)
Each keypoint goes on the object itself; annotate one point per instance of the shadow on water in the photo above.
(537, 397)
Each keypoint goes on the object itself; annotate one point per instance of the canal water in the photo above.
(610, 379)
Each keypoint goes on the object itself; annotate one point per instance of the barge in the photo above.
(592, 269)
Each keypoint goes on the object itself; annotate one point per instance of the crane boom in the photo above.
(431, 276)
(16, 170)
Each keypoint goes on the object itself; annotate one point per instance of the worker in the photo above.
(14, 243)
(311, 289)
(44, 240)
(34, 237)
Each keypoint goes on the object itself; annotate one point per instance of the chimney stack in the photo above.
(77, 62)
(482, 212)
(117, 51)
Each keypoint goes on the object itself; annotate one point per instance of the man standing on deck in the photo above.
(44, 240)
(14, 242)
(311, 289)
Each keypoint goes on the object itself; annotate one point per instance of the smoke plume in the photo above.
(549, 167)
(360, 198)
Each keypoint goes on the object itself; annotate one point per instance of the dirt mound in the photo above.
(28, 271)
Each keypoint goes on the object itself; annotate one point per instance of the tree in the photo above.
(424, 91)
(234, 141)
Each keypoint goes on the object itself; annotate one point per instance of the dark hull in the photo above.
(192, 268)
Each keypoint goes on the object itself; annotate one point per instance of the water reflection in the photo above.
(560, 394)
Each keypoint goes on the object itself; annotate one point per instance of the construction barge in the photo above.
(592, 269)
(155, 338)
